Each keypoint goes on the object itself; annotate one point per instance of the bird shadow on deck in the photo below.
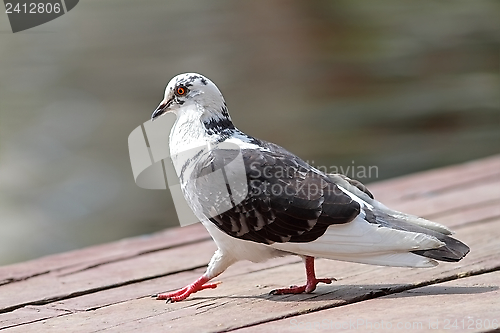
(442, 290)
(352, 294)
(392, 291)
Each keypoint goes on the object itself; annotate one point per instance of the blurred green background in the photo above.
(403, 86)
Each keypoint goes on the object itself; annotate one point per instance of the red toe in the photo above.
(183, 293)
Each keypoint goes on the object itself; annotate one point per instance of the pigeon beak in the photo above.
(161, 109)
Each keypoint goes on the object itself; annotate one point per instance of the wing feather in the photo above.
(287, 200)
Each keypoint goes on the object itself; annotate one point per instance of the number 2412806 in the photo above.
(33, 8)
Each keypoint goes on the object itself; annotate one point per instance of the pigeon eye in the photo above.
(181, 91)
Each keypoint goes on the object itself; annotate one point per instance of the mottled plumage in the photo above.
(278, 204)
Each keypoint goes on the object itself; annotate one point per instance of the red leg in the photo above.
(310, 285)
(218, 264)
(183, 293)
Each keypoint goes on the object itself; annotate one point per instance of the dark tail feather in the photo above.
(453, 251)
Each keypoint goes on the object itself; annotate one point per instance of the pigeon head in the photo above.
(192, 93)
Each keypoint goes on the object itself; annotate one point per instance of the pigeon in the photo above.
(285, 206)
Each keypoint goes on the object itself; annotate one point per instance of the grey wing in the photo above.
(286, 200)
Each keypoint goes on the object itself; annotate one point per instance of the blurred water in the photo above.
(398, 86)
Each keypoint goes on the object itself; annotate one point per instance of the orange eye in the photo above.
(181, 91)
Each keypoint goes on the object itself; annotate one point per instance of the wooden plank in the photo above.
(438, 180)
(54, 286)
(244, 294)
(450, 202)
(29, 314)
(482, 213)
(106, 297)
(464, 305)
(97, 255)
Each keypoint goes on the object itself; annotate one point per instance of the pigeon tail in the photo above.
(452, 251)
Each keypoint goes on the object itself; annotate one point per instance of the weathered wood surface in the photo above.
(107, 287)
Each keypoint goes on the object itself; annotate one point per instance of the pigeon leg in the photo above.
(218, 264)
(310, 285)
(183, 293)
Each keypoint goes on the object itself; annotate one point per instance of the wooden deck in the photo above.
(106, 288)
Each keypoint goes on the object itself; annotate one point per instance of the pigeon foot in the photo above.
(310, 285)
(183, 293)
